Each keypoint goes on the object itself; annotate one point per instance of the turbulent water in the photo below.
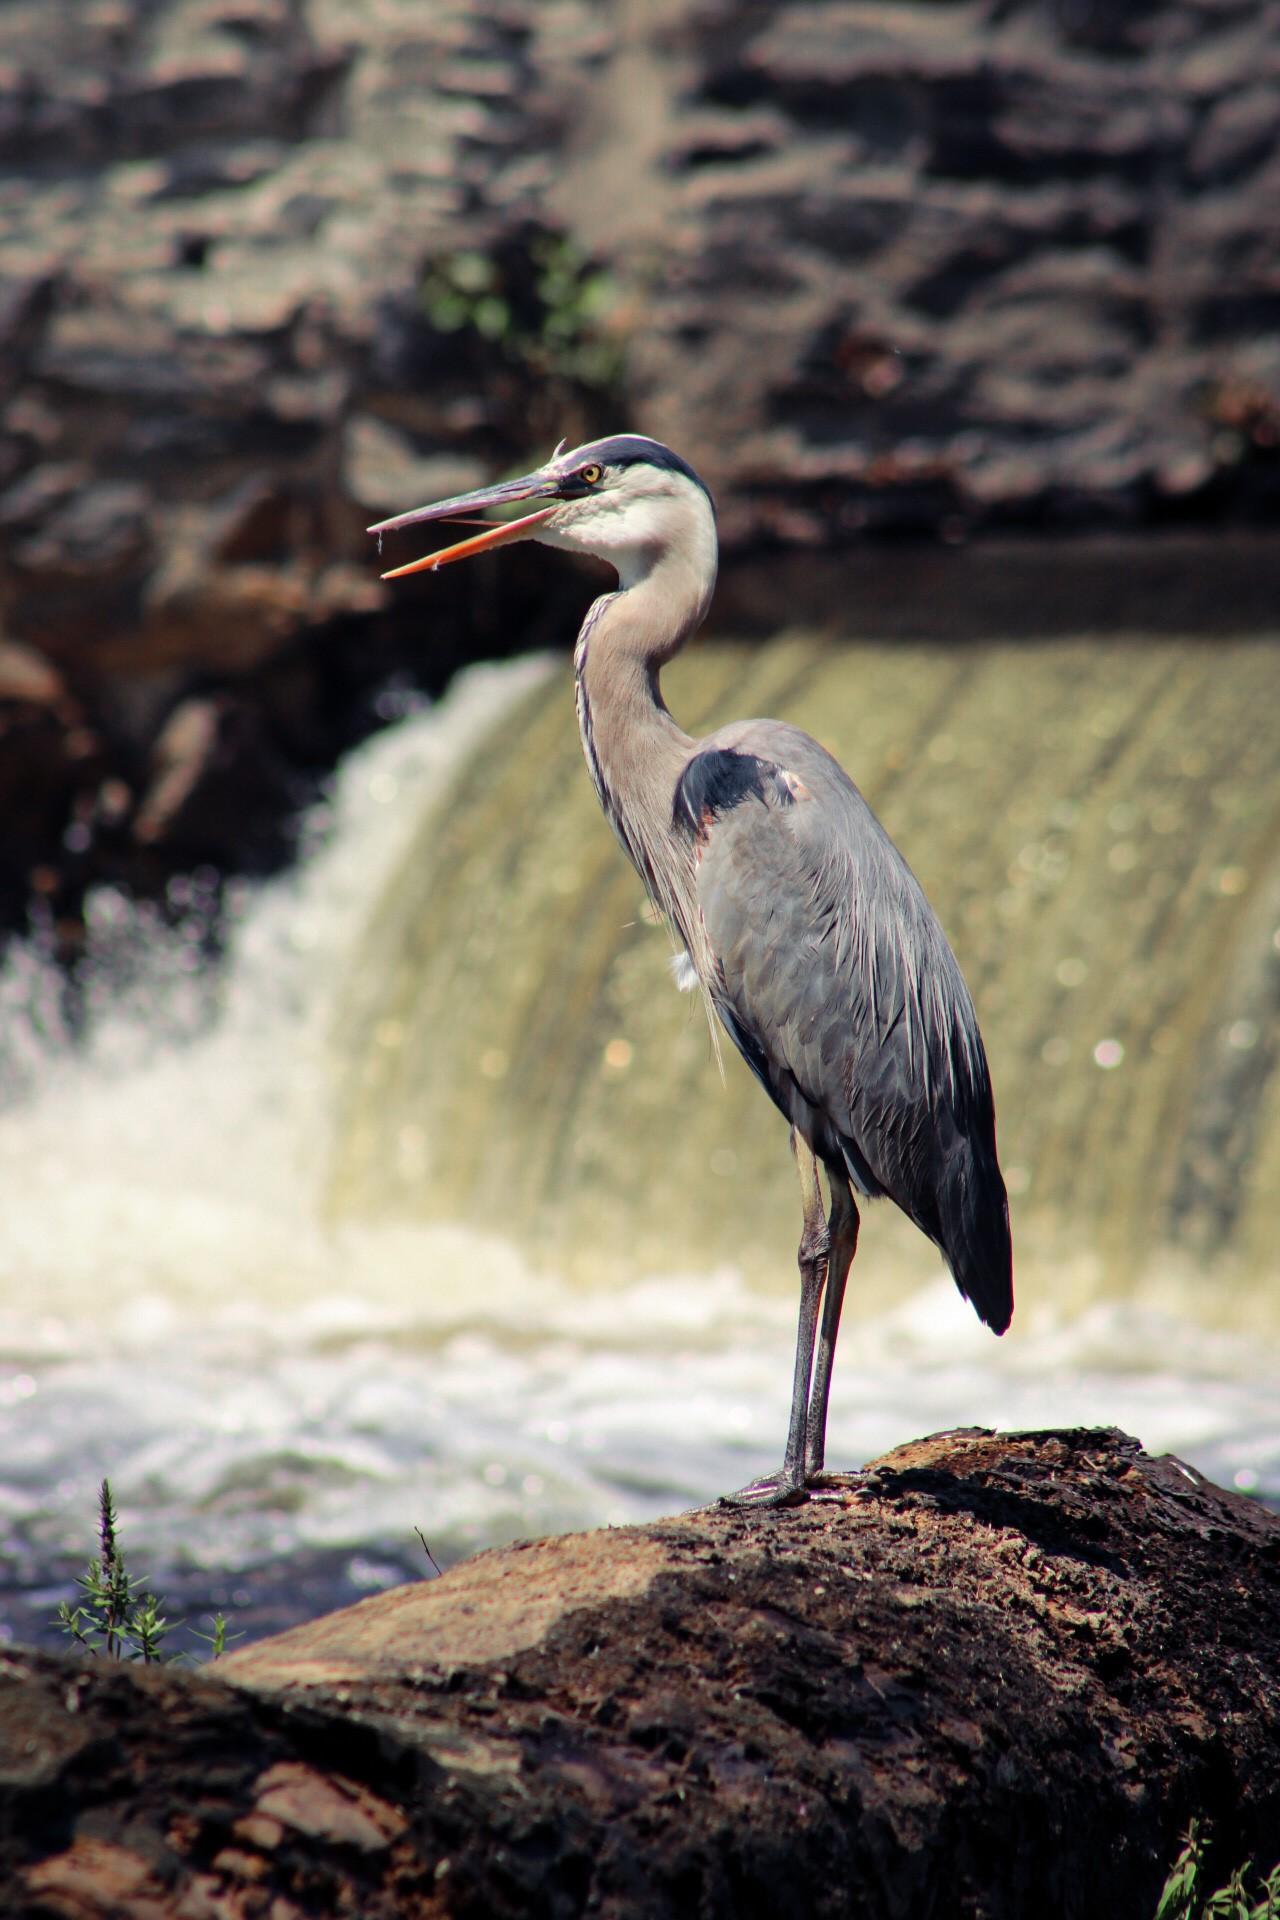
(284, 1380)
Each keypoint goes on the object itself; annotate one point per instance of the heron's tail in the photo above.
(973, 1233)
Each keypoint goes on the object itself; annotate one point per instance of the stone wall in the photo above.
(953, 268)
(272, 268)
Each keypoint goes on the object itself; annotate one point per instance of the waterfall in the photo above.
(1098, 825)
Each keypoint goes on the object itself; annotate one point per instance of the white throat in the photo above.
(662, 524)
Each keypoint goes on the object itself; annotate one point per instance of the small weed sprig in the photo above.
(117, 1616)
(543, 304)
(1184, 1897)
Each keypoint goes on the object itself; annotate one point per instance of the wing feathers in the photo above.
(837, 984)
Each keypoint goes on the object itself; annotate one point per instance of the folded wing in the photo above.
(837, 984)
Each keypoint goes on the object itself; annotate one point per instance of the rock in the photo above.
(382, 470)
(1237, 133)
(102, 531)
(51, 764)
(27, 679)
(95, 1878)
(1003, 222)
(995, 1673)
(289, 1795)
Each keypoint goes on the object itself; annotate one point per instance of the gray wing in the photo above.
(837, 984)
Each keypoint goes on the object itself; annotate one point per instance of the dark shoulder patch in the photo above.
(718, 780)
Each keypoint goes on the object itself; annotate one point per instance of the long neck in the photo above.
(634, 749)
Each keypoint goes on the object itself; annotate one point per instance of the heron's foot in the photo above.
(790, 1489)
(779, 1489)
(825, 1485)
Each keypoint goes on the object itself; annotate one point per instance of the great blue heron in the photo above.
(801, 922)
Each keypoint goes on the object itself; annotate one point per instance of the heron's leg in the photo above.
(785, 1488)
(812, 1255)
(842, 1227)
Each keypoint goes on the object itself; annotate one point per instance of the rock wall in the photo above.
(269, 268)
(949, 268)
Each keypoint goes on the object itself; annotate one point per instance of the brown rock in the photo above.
(96, 1880)
(996, 1674)
(327, 1807)
(28, 678)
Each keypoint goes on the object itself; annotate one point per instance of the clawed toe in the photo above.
(834, 1486)
(780, 1489)
(772, 1490)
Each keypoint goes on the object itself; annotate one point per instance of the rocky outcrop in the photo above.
(273, 267)
(989, 266)
(994, 1676)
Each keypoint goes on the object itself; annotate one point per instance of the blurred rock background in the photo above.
(998, 276)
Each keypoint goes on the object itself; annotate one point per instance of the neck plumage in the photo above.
(635, 751)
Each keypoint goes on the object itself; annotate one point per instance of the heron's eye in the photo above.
(590, 475)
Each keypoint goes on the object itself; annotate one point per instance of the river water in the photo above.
(283, 1389)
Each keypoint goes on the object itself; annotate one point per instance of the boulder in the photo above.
(993, 1675)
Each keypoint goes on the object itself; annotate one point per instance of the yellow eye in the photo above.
(590, 474)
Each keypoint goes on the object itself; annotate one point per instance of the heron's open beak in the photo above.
(531, 486)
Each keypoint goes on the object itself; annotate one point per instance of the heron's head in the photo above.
(627, 500)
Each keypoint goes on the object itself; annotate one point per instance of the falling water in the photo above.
(430, 1208)
(1098, 825)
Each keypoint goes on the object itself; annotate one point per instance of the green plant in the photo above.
(1184, 1898)
(544, 304)
(117, 1616)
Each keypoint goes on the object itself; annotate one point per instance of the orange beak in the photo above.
(530, 486)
